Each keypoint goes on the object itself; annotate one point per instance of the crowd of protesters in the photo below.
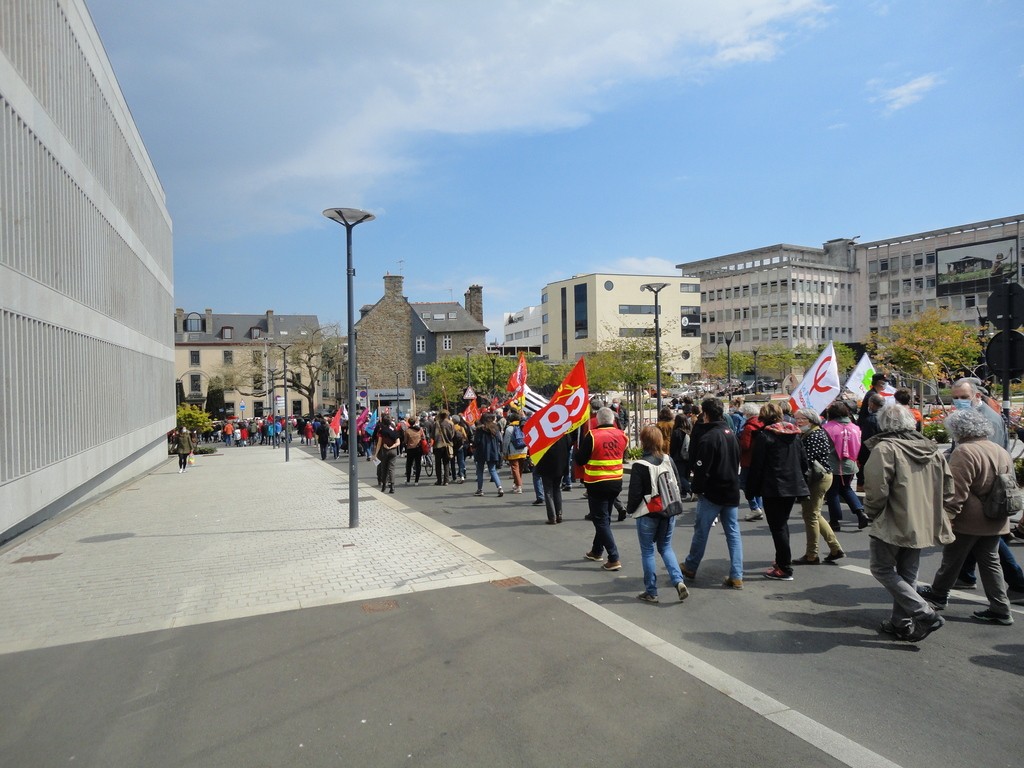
(905, 491)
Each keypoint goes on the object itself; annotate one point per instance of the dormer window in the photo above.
(453, 315)
(254, 333)
(227, 332)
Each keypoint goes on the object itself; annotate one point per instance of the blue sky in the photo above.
(511, 143)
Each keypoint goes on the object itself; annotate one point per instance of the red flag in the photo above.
(568, 408)
(517, 380)
(472, 413)
(336, 422)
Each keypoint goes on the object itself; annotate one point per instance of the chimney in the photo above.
(393, 286)
(179, 321)
(208, 328)
(270, 323)
(475, 302)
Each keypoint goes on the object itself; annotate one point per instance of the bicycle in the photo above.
(428, 464)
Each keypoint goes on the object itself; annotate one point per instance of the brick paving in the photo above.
(241, 533)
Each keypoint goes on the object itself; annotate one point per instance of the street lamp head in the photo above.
(654, 287)
(348, 217)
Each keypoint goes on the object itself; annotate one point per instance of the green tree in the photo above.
(929, 347)
(194, 418)
(718, 366)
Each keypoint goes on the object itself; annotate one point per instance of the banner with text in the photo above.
(568, 408)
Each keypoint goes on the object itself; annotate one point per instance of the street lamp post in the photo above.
(656, 288)
(349, 218)
(728, 363)
(284, 382)
(469, 373)
(757, 385)
(398, 398)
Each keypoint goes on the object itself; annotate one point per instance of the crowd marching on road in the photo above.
(915, 494)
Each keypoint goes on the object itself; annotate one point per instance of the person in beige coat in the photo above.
(907, 483)
(974, 462)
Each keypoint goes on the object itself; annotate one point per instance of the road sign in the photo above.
(1006, 300)
(469, 394)
(242, 405)
(995, 354)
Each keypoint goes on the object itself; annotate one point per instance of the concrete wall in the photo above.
(86, 264)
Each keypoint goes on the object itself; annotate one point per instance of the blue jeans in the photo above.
(754, 502)
(492, 467)
(707, 511)
(459, 463)
(538, 486)
(600, 499)
(657, 530)
(842, 488)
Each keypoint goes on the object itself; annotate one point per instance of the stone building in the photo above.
(86, 273)
(396, 339)
(233, 347)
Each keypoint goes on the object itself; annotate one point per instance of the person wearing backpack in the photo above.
(513, 448)
(444, 436)
(653, 529)
(846, 437)
(975, 463)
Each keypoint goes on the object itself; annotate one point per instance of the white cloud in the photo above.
(303, 100)
(898, 97)
(640, 265)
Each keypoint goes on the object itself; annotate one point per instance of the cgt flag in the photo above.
(517, 382)
(820, 385)
(472, 413)
(568, 408)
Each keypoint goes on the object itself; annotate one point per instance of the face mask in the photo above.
(961, 403)
(805, 427)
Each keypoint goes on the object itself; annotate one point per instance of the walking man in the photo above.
(600, 455)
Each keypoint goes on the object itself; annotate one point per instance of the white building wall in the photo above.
(86, 352)
(615, 307)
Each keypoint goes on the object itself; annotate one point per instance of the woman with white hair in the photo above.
(906, 484)
(975, 463)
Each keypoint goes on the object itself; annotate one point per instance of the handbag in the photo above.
(816, 471)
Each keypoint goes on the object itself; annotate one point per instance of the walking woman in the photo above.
(819, 448)
(777, 468)
(653, 530)
(487, 452)
(846, 439)
(184, 446)
(388, 440)
(444, 436)
(413, 439)
(679, 449)
(974, 462)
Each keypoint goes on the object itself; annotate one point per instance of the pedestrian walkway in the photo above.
(241, 533)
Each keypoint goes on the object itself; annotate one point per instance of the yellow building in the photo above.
(586, 313)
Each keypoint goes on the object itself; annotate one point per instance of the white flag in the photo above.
(860, 379)
(820, 385)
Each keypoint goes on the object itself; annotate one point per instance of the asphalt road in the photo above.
(811, 643)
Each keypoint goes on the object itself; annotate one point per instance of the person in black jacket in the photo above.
(778, 466)
(550, 468)
(715, 463)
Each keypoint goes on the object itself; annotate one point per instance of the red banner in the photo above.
(567, 410)
(517, 380)
(472, 413)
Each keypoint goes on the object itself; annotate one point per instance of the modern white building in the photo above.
(587, 313)
(955, 267)
(523, 332)
(86, 265)
(793, 295)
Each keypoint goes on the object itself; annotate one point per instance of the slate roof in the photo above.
(463, 321)
(241, 325)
